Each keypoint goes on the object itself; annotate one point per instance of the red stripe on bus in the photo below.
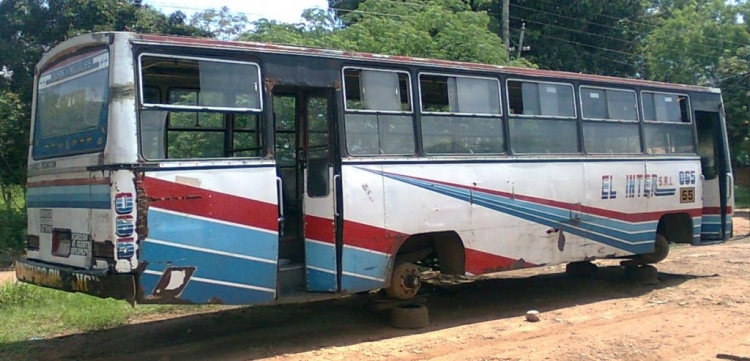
(68, 182)
(715, 210)
(210, 204)
(319, 229)
(370, 237)
(627, 217)
(478, 262)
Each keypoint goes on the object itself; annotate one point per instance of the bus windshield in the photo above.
(71, 110)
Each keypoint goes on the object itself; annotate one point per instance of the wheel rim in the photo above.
(405, 281)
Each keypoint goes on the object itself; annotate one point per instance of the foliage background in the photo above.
(704, 42)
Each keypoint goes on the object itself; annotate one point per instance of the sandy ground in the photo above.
(699, 309)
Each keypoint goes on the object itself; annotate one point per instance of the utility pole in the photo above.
(506, 27)
(520, 41)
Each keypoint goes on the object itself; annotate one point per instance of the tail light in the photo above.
(61, 239)
(104, 249)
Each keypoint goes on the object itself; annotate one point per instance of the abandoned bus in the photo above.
(182, 170)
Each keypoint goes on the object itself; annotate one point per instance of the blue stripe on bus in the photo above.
(210, 265)
(357, 284)
(549, 216)
(78, 196)
(212, 235)
(365, 263)
(320, 281)
(202, 292)
(359, 263)
(320, 255)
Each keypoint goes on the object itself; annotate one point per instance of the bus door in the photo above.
(716, 222)
(307, 169)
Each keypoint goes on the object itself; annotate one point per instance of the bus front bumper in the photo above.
(99, 283)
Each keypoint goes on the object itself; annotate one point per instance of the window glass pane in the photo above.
(246, 122)
(663, 107)
(611, 138)
(446, 94)
(708, 147)
(72, 106)
(608, 104)
(372, 134)
(622, 105)
(151, 95)
(543, 136)
(462, 135)
(594, 103)
(478, 96)
(556, 100)
(362, 135)
(666, 139)
(377, 90)
(153, 124)
(212, 83)
(245, 144)
(183, 119)
(434, 93)
(193, 144)
(545, 99)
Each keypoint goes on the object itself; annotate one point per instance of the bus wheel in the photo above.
(661, 251)
(405, 281)
(410, 316)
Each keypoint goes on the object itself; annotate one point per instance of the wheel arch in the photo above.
(447, 246)
(676, 227)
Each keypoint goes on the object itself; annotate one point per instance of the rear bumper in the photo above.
(99, 283)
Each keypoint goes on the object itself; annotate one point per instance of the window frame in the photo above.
(410, 96)
(499, 94)
(635, 99)
(573, 94)
(150, 106)
(689, 108)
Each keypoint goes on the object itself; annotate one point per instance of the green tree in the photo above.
(28, 28)
(591, 36)
(221, 24)
(440, 29)
(704, 42)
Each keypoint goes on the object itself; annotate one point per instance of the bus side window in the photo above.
(211, 110)
(668, 127)
(461, 114)
(610, 121)
(379, 115)
(542, 117)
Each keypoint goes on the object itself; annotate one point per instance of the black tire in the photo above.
(580, 269)
(660, 253)
(410, 316)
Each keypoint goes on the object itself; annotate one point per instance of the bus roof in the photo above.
(405, 60)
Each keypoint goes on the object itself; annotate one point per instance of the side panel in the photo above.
(508, 215)
(212, 236)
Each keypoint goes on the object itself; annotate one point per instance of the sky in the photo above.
(288, 11)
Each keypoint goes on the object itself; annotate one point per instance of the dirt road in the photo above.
(700, 308)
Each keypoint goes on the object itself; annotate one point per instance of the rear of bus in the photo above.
(81, 214)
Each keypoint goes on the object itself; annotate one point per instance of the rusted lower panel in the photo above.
(95, 283)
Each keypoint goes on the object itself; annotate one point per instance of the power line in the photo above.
(651, 26)
(703, 55)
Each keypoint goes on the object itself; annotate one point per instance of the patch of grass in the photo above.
(28, 311)
(741, 197)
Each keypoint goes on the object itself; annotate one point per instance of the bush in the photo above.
(12, 230)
